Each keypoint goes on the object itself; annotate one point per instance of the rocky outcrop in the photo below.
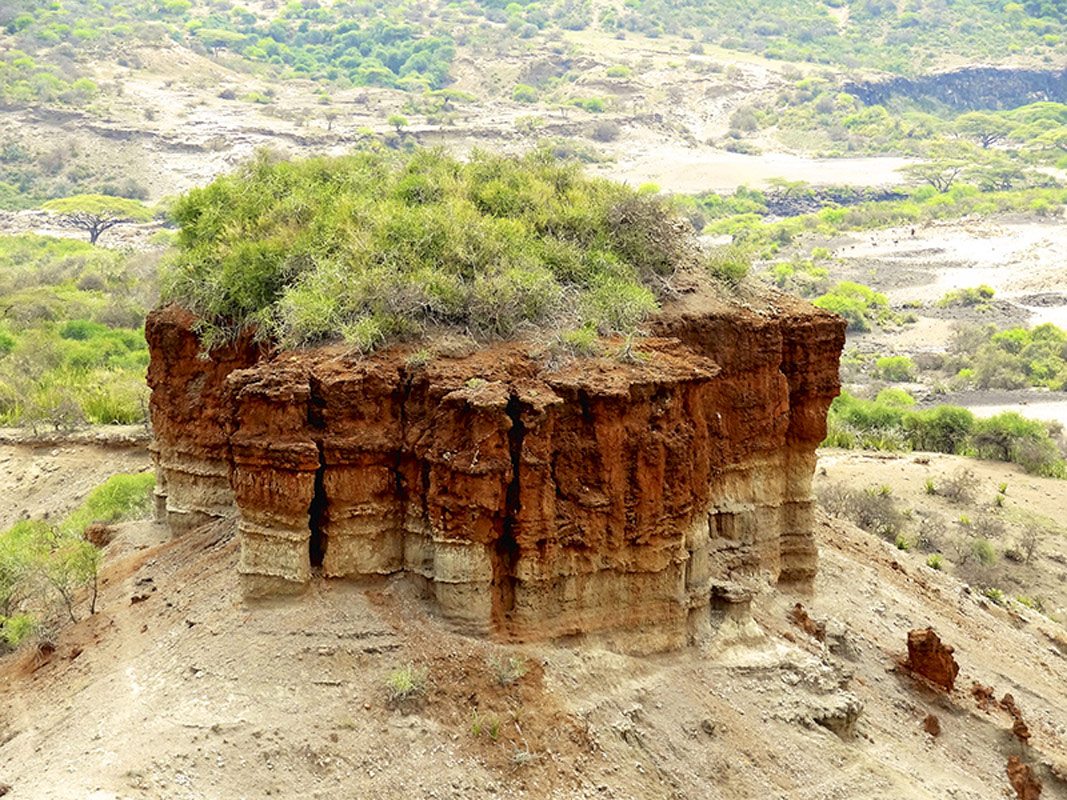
(191, 445)
(606, 497)
(970, 88)
(931, 659)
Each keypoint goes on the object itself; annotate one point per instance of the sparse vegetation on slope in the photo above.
(374, 247)
(46, 569)
(874, 33)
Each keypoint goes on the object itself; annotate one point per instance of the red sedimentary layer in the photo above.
(603, 497)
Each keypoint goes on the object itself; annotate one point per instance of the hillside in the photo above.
(289, 698)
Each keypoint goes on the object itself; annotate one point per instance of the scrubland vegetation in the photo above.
(891, 422)
(48, 572)
(878, 33)
(412, 45)
(984, 540)
(922, 204)
(375, 247)
(72, 348)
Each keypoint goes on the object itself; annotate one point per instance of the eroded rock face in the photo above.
(928, 657)
(602, 497)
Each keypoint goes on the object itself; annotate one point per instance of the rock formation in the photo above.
(604, 497)
(931, 659)
(1023, 780)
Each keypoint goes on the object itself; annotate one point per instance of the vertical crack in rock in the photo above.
(317, 507)
(506, 551)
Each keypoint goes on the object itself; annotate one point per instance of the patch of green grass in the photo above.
(120, 497)
(72, 347)
(406, 683)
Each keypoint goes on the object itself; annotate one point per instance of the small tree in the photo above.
(69, 564)
(1030, 541)
(96, 213)
(985, 128)
(398, 121)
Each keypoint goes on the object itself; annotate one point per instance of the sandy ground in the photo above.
(681, 168)
(48, 478)
(1023, 260)
(1017, 258)
(176, 689)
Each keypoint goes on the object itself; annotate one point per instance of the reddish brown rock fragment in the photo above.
(931, 659)
(1023, 780)
(799, 616)
(932, 725)
(983, 695)
(1019, 727)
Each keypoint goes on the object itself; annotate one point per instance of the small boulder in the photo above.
(931, 659)
(1023, 780)
(932, 725)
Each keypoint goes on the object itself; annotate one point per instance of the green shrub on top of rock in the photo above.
(374, 247)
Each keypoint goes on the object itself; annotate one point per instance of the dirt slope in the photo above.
(48, 476)
(178, 690)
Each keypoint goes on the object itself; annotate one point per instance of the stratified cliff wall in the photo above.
(608, 497)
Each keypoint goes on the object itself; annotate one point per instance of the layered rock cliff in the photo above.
(622, 498)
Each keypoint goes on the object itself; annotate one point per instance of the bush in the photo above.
(960, 487)
(967, 297)
(858, 304)
(883, 424)
(1011, 437)
(984, 552)
(379, 247)
(873, 510)
(895, 368)
(942, 429)
(523, 93)
(605, 131)
(729, 264)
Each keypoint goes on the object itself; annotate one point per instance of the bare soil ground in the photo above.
(177, 689)
(47, 476)
(1023, 261)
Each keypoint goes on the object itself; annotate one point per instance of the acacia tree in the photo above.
(945, 163)
(96, 213)
(985, 128)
